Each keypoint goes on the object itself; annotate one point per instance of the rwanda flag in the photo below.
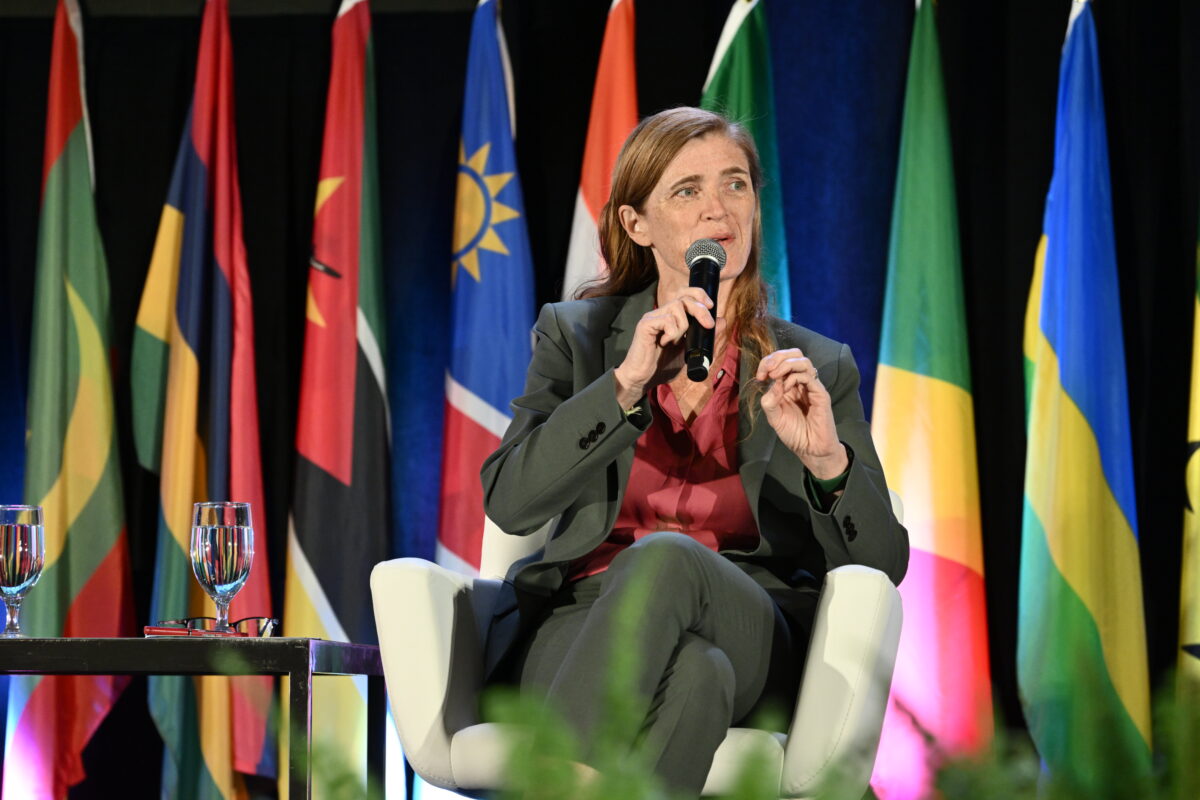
(196, 423)
(1081, 647)
(492, 306)
(924, 424)
(72, 467)
(340, 514)
(739, 86)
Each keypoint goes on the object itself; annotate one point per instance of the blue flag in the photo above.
(492, 305)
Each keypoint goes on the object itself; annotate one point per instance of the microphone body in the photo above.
(704, 258)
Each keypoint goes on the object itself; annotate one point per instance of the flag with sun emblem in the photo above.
(492, 304)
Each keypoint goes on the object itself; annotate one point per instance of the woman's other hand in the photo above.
(656, 354)
(799, 408)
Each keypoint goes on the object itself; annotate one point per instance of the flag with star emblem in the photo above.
(614, 115)
(1187, 678)
(924, 425)
(72, 463)
(339, 523)
(1081, 637)
(739, 86)
(492, 301)
(195, 410)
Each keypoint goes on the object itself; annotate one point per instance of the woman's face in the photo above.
(705, 193)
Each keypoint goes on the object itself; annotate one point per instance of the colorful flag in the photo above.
(492, 304)
(614, 115)
(72, 463)
(340, 509)
(739, 86)
(924, 425)
(1081, 644)
(195, 412)
(1188, 676)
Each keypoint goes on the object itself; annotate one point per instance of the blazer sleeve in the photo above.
(566, 429)
(861, 527)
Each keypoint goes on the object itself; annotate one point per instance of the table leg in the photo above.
(376, 733)
(300, 735)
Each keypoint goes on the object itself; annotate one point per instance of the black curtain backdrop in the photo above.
(839, 72)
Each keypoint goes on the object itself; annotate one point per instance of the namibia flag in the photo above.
(492, 276)
(196, 424)
(72, 467)
(1081, 646)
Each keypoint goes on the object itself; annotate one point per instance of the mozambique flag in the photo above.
(196, 424)
(72, 466)
(614, 114)
(340, 515)
(924, 425)
(492, 304)
(739, 86)
(1188, 676)
(1081, 644)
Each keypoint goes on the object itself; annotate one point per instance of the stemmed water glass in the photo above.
(22, 555)
(222, 552)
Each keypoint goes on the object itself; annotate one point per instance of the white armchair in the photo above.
(431, 624)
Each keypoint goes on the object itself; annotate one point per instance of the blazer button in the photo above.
(599, 427)
(583, 443)
(592, 435)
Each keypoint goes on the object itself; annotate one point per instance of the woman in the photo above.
(730, 497)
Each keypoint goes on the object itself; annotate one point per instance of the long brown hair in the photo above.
(644, 157)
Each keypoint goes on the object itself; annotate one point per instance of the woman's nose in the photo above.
(714, 208)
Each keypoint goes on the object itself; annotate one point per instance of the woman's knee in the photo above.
(701, 669)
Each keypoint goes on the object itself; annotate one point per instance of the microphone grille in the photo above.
(705, 248)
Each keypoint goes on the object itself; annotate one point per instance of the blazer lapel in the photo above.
(616, 346)
(756, 445)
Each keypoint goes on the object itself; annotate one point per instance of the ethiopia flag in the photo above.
(739, 86)
(340, 512)
(614, 115)
(196, 424)
(72, 464)
(924, 425)
(1188, 676)
(492, 304)
(1081, 644)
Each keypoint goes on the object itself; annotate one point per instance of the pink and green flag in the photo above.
(72, 467)
(924, 425)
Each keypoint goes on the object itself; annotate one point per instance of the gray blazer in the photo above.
(569, 450)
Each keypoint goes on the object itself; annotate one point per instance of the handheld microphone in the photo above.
(704, 258)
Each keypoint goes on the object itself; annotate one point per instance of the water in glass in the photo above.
(22, 556)
(221, 558)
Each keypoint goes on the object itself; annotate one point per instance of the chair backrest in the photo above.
(501, 550)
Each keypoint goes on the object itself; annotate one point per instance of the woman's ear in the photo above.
(634, 225)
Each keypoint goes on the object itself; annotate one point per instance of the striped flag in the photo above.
(1188, 675)
(739, 86)
(924, 425)
(614, 114)
(1081, 644)
(196, 424)
(72, 463)
(340, 509)
(492, 303)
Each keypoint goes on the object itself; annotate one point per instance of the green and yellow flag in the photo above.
(72, 466)
(1188, 677)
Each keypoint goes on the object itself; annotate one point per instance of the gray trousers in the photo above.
(712, 649)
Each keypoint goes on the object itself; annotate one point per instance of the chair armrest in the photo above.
(430, 622)
(843, 695)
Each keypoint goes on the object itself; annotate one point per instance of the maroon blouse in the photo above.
(684, 478)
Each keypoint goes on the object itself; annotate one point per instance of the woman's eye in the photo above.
(686, 191)
(738, 185)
